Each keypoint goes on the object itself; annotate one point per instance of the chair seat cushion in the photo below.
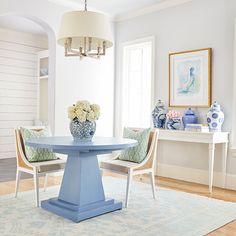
(36, 154)
(53, 167)
(138, 153)
(118, 165)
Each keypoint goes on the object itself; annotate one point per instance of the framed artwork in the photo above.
(190, 78)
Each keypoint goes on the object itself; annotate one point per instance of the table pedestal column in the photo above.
(81, 195)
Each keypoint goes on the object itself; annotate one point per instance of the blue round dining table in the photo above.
(81, 193)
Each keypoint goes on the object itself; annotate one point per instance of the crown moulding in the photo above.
(128, 15)
(150, 9)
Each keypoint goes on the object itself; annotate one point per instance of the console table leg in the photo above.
(211, 164)
(224, 163)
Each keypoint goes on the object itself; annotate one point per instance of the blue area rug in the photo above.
(173, 213)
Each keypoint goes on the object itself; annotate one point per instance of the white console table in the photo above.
(196, 137)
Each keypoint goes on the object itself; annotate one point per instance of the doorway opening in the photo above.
(27, 79)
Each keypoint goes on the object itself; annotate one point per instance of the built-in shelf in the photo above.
(43, 86)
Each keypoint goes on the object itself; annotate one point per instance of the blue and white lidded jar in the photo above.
(82, 131)
(174, 123)
(159, 115)
(189, 117)
(215, 118)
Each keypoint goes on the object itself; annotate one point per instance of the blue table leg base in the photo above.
(76, 213)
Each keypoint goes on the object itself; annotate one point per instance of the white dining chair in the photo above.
(43, 168)
(130, 169)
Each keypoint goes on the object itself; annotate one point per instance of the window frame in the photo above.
(233, 132)
(119, 80)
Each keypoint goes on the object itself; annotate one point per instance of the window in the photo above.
(135, 95)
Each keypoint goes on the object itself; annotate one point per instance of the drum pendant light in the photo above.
(85, 33)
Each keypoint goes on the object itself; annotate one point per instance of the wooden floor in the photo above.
(8, 170)
(226, 195)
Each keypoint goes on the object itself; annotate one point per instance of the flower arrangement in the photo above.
(173, 114)
(174, 120)
(84, 111)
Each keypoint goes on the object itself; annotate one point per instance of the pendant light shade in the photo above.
(85, 33)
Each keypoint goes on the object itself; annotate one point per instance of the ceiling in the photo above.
(114, 8)
(119, 7)
(21, 24)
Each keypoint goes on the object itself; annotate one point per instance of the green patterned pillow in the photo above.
(139, 152)
(36, 154)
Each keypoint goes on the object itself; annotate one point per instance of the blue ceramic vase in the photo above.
(215, 118)
(189, 117)
(82, 131)
(159, 115)
(174, 123)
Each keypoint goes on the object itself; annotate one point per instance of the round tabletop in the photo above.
(68, 143)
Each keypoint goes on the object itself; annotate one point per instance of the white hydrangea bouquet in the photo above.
(83, 116)
(83, 110)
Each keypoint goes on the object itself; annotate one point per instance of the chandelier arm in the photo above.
(96, 54)
(92, 55)
(73, 51)
(84, 52)
(101, 51)
(74, 54)
(80, 52)
(98, 50)
(85, 45)
(85, 5)
(66, 52)
(104, 48)
(90, 44)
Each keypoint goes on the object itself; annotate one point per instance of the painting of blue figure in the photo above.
(189, 77)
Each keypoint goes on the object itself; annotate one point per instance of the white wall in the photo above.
(194, 25)
(74, 79)
(18, 84)
(201, 23)
(88, 79)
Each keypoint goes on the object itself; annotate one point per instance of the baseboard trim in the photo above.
(189, 175)
(7, 157)
(195, 175)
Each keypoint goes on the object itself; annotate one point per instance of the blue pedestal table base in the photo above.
(81, 194)
(76, 214)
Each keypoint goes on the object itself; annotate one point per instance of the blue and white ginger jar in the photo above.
(174, 123)
(189, 117)
(82, 131)
(215, 118)
(159, 115)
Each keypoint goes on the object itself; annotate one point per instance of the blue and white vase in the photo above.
(215, 118)
(174, 123)
(189, 117)
(159, 115)
(82, 131)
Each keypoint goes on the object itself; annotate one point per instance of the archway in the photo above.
(52, 63)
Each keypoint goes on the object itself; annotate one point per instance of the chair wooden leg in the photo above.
(46, 182)
(18, 175)
(36, 187)
(152, 180)
(129, 179)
